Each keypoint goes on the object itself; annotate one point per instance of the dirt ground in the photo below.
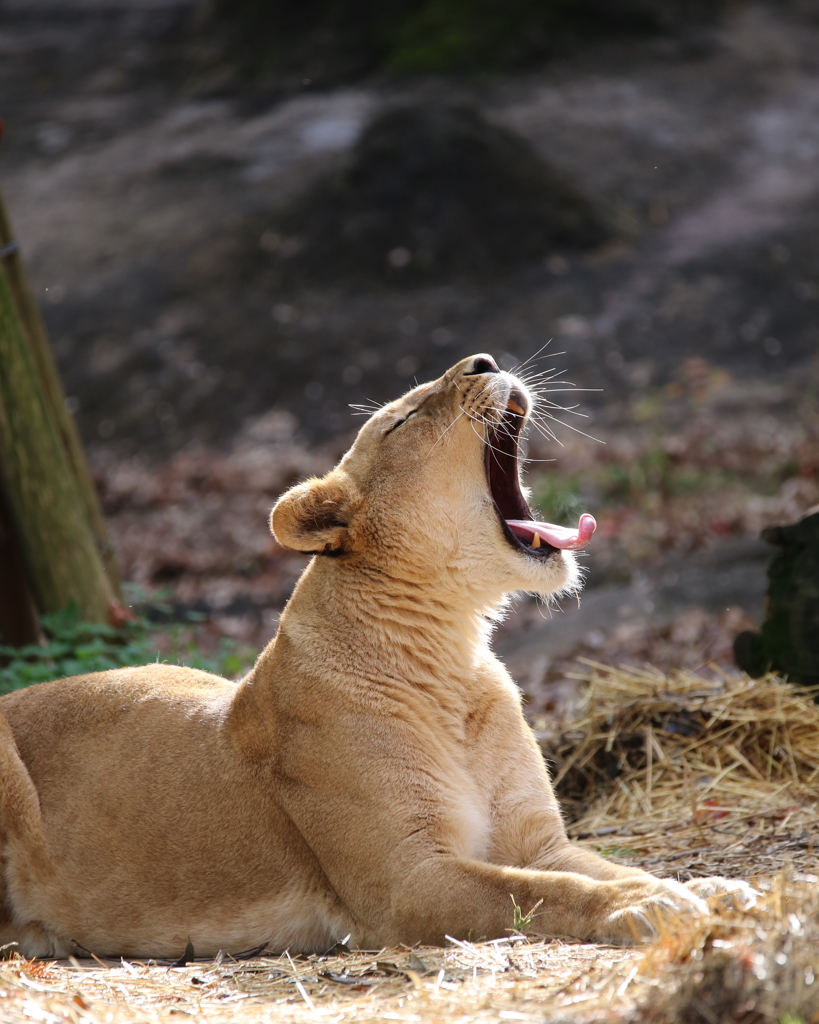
(144, 177)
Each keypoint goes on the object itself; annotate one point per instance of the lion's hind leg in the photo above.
(25, 865)
(21, 820)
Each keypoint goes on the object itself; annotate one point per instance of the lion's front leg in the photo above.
(719, 893)
(727, 893)
(453, 896)
(564, 855)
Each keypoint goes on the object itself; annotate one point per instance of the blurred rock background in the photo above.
(241, 217)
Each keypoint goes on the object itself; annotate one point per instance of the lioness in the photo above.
(372, 776)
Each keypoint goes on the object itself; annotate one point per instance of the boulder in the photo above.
(788, 641)
(433, 192)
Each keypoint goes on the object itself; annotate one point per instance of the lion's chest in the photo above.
(470, 796)
(484, 777)
(470, 822)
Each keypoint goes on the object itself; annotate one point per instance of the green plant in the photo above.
(655, 476)
(229, 659)
(74, 647)
(615, 851)
(519, 921)
(630, 481)
(559, 498)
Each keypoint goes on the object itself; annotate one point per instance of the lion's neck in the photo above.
(368, 624)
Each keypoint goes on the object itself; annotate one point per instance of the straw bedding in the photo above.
(677, 773)
(691, 776)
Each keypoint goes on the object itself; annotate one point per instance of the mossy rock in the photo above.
(435, 192)
(788, 641)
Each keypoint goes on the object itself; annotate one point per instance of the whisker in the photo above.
(451, 425)
(569, 426)
(547, 408)
(495, 451)
(534, 373)
(498, 451)
(550, 378)
(544, 431)
(545, 387)
(540, 375)
(552, 355)
(546, 404)
(368, 407)
(563, 391)
(519, 366)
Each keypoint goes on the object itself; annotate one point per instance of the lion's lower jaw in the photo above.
(555, 577)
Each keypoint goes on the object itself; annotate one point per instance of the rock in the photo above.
(436, 191)
(788, 641)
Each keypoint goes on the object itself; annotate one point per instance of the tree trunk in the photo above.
(45, 503)
(18, 616)
(37, 337)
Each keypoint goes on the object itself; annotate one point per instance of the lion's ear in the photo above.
(314, 516)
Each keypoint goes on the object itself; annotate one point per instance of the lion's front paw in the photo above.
(639, 908)
(727, 893)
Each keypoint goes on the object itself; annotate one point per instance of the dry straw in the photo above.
(685, 774)
(674, 772)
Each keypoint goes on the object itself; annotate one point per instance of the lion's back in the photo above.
(107, 693)
(106, 721)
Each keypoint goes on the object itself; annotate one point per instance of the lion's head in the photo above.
(431, 490)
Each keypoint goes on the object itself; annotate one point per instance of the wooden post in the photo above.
(37, 337)
(40, 490)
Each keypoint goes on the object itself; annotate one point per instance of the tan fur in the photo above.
(373, 774)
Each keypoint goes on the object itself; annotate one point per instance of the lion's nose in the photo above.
(482, 364)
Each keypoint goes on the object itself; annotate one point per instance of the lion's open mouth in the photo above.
(522, 530)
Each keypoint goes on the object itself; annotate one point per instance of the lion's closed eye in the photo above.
(400, 423)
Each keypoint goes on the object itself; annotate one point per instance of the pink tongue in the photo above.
(557, 536)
